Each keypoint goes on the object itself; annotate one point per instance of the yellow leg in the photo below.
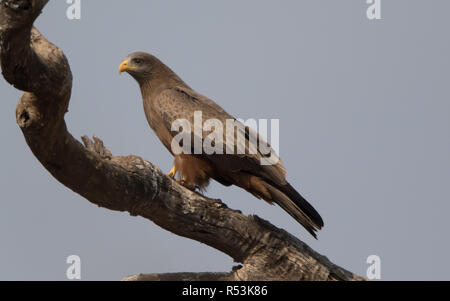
(172, 172)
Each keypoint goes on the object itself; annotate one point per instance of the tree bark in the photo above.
(34, 65)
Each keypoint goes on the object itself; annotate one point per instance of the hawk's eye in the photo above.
(137, 61)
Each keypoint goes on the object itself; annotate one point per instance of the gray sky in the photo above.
(364, 115)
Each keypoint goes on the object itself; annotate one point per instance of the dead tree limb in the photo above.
(34, 65)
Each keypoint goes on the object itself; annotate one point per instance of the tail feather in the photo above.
(283, 195)
(302, 204)
(294, 204)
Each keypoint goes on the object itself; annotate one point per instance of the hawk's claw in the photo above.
(172, 173)
(186, 185)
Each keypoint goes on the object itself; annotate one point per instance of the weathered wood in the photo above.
(179, 277)
(33, 64)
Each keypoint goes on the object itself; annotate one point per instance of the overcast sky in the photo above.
(364, 114)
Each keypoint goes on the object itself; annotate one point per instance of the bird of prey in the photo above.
(167, 98)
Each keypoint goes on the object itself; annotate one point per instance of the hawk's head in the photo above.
(140, 65)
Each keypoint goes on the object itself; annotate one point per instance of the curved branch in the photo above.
(179, 277)
(33, 64)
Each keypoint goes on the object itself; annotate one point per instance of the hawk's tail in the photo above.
(294, 204)
(284, 195)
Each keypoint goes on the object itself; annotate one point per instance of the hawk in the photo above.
(167, 98)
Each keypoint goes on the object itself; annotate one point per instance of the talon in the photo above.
(187, 185)
(172, 173)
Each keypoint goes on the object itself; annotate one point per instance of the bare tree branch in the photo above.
(180, 277)
(33, 64)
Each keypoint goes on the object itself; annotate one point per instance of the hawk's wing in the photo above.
(181, 103)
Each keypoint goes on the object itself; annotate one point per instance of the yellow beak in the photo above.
(124, 66)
